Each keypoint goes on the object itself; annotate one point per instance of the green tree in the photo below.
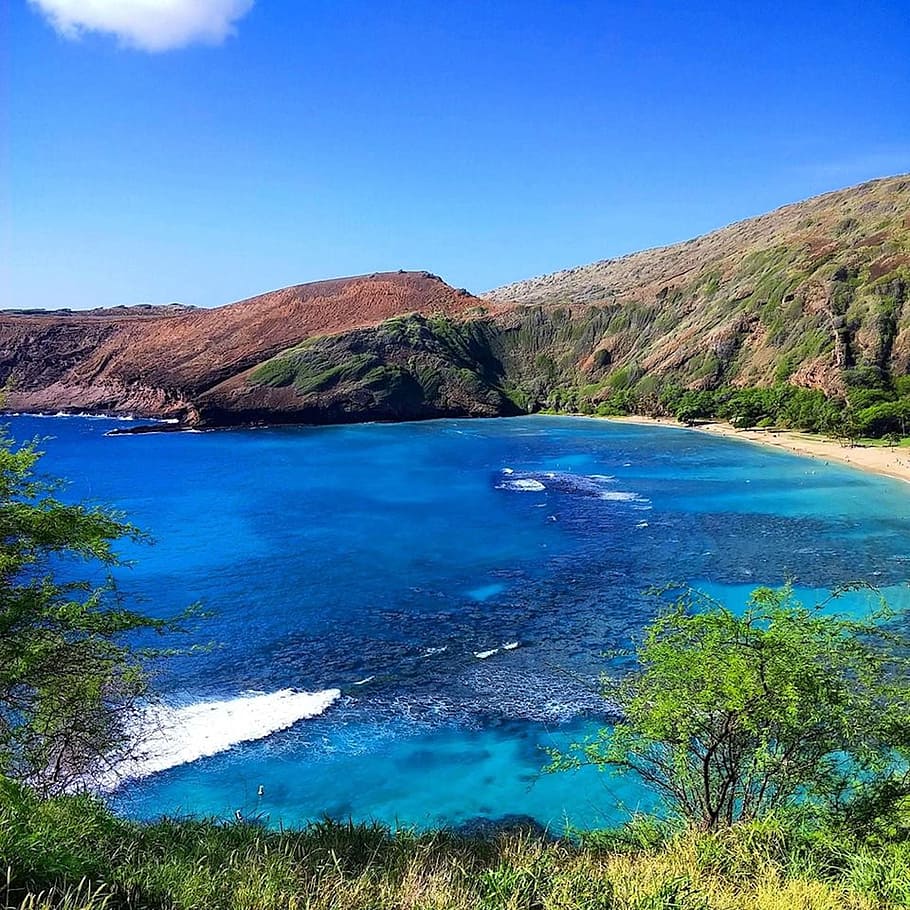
(847, 427)
(694, 405)
(731, 717)
(70, 683)
(885, 418)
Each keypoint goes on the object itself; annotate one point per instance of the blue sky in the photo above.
(486, 142)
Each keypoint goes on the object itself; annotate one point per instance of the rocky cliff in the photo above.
(813, 294)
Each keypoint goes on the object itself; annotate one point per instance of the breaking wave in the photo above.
(524, 485)
(586, 485)
(483, 655)
(88, 415)
(620, 496)
(82, 415)
(168, 736)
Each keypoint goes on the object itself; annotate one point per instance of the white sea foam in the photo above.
(641, 524)
(168, 736)
(84, 415)
(439, 650)
(524, 485)
(620, 496)
(591, 485)
(363, 682)
(483, 655)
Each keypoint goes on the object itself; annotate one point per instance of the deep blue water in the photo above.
(395, 553)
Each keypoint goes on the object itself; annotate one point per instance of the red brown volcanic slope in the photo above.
(157, 361)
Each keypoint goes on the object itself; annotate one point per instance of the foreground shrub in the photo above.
(733, 717)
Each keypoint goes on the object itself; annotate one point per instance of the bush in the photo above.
(69, 684)
(733, 718)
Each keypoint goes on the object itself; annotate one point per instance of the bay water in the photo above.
(404, 618)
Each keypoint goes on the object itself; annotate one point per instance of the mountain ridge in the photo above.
(801, 265)
(512, 290)
(813, 295)
(158, 364)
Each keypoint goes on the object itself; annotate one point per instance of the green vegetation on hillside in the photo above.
(413, 366)
(811, 291)
(574, 360)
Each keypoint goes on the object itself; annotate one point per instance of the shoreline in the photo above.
(880, 460)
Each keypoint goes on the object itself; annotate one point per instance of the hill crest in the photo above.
(814, 294)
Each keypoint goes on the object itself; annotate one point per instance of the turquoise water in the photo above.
(379, 560)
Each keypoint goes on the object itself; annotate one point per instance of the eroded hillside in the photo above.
(814, 294)
(802, 294)
(177, 362)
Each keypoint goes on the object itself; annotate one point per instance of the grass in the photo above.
(73, 853)
(881, 443)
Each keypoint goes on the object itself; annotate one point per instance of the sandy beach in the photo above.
(892, 462)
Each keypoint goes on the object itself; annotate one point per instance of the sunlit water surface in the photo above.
(380, 560)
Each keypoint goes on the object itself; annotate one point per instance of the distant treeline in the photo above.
(871, 408)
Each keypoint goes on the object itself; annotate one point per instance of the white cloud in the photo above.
(152, 25)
